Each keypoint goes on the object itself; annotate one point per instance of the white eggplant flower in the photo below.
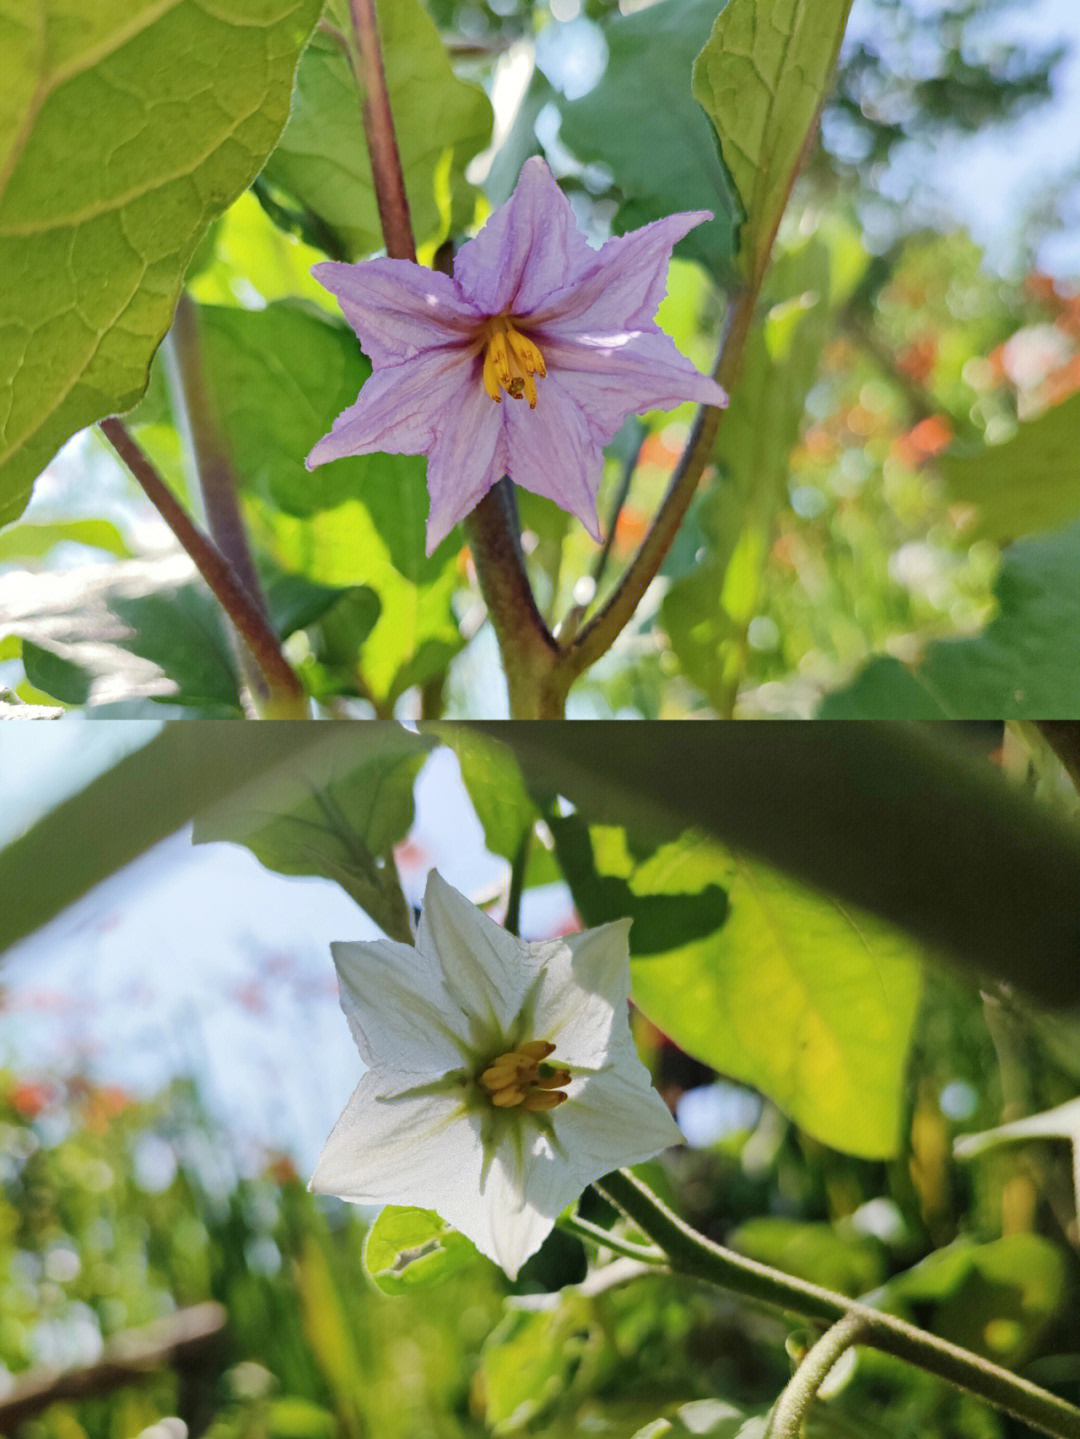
(502, 1077)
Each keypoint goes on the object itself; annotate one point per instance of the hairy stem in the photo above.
(690, 1253)
(382, 144)
(286, 692)
(794, 1403)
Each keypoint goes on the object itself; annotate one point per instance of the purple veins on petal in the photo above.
(524, 362)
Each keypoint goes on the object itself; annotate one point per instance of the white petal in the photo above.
(392, 1147)
(481, 963)
(580, 1002)
(397, 1006)
(513, 1212)
(614, 1118)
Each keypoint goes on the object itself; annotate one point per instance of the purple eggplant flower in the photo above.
(532, 316)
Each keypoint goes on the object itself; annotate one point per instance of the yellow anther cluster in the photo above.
(510, 362)
(522, 1077)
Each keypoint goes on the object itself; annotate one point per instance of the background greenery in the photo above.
(890, 526)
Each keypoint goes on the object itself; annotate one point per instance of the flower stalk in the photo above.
(691, 1254)
(382, 143)
(285, 697)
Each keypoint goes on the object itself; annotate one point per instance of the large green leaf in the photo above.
(761, 78)
(129, 803)
(642, 122)
(441, 123)
(125, 127)
(1024, 665)
(765, 980)
(900, 820)
(1029, 483)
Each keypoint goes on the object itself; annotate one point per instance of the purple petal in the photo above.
(469, 457)
(398, 309)
(402, 408)
(612, 376)
(553, 451)
(529, 248)
(625, 284)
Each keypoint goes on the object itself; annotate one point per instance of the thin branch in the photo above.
(617, 505)
(794, 1403)
(250, 622)
(599, 634)
(512, 922)
(692, 1254)
(386, 168)
(184, 1340)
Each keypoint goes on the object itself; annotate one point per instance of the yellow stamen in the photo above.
(506, 1097)
(511, 360)
(536, 1048)
(541, 1099)
(521, 1077)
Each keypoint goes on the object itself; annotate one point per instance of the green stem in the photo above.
(289, 700)
(794, 1403)
(512, 922)
(690, 1253)
(573, 1224)
(529, 653)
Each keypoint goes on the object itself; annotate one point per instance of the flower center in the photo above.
(522, 1077)
(510, 362)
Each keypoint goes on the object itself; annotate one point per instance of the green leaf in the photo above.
(1024, 665)
(642, 122)
(761, 78)
(138, 629)
(529, 1360)
(32, 541)
(1027, 484)
(280, 376)
(759, 977)
(338, 815)
(152, 782)
(995, 1299)
(901, 820)
(126, 126)
(408, 1249)
(416, 633)
(441, 123)
(500, 798)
